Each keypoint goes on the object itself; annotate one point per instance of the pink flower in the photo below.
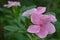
(42, 25)
(12, 3)
(38, 11)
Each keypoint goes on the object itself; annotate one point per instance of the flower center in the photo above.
(41, 25)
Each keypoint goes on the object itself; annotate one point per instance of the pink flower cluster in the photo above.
(42, 25)
(12, 3)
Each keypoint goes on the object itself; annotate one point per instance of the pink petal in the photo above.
(43, 33)
(34, 29)
(7, 5)
(45, 19)
(41, 10)
(10, 2)
(50, 28)
(29, 12)
(15, 3)
(53, 18)
(35, 19)
(48, 18)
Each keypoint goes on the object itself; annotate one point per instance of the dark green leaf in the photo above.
(24, 8)
(51, 13)
(4, 10)
(20, 36)
(11, 28)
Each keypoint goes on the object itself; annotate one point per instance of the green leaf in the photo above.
(24, 8)
(57, 26)
(27, 22)
(26, 2)
(51, 13)
(11, 28)
(4, 10)
(20, 36)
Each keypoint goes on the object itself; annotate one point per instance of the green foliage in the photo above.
(4, 10)
(52, 13)
(11, 28)
(15, 25)
(24, 8)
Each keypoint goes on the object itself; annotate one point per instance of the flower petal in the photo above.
(34, 29)
(41, 10)
(45, 19)
(29, 12)
(50, 28)
(48, 18)
(53, 18)
(43, 33)
(10, 2)
(35, 19)
(5, 5)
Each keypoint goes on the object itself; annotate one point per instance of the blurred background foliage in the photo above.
(13, 26)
